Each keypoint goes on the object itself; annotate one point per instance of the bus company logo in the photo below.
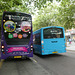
(11, 49)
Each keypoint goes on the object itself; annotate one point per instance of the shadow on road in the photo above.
(16, 60)
(50, 55)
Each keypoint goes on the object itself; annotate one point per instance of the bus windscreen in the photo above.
(17, 28)
(53, 33)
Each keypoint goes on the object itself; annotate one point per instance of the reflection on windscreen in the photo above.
(53, 33)
(17, 28)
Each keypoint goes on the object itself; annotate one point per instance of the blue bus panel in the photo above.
(49, 40)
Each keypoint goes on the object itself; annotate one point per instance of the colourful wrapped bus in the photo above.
(16, 35)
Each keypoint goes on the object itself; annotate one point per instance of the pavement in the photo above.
(71, 46)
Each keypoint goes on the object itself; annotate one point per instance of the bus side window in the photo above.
(34, 39)
(37, 39)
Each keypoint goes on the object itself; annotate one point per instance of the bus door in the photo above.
(53, 39)
(37, 42)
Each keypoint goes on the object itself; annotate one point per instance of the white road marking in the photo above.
(33, 60)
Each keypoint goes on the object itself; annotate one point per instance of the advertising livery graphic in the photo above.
(16, 33)
(9, 26)
(25, 26)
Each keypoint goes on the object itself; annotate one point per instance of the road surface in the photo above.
(57, 64)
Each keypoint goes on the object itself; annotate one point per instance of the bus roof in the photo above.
(16, 12)
(53, 26)
(46, 27)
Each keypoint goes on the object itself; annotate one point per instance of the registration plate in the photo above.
(55, 52)
(17, 56)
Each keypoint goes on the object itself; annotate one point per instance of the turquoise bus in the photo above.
(49, 40)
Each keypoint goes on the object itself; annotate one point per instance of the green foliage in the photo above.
(46, 16)
(13, 6)
(9, 5)
(49, 13)
(67, 14)
(56, 15)
(20, 5)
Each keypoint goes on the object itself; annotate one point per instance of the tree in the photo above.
(59, 13)
(12, 5)
(66, 15)
(46, 16)
(62, 14)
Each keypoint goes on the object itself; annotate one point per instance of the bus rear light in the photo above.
(42, 47)
(2, 47)
(31, 45)
(42, 42)
(2, 50)
(31, 49)
(43, 51)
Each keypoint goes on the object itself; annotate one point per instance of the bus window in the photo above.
(37, 39)
(53, 33)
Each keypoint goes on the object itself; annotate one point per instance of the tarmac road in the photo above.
(58, 64)
(22, 67)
